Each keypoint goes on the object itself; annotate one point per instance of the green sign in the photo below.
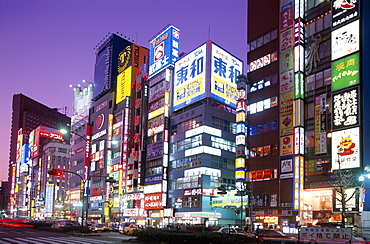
(345, 72)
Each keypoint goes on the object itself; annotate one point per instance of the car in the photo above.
(96, 227)
(129, 230)
(234, 230)
(123, 225)
(274, 236)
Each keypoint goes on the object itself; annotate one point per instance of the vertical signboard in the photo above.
(164, 50)
(225, 68)
(190, 78)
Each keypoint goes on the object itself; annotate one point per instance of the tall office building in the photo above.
(27, 115)
(306, 113)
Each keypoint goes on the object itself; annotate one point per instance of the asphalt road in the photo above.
(22, 235)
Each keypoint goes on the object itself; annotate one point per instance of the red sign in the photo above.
(153, 201)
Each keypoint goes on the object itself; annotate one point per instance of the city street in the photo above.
(20, 235)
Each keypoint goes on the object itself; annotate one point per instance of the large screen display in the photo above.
(225, 68)
(164, 50)
(190, 78)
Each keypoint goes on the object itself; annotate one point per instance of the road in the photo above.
(22, 235)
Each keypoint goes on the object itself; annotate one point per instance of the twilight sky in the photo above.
(45, 45)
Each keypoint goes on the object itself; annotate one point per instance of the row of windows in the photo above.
(222, 163)
(187, 143)
(223, 144)
(185, 202)
(264, 150)
(262, 40)
(186, 162)
(223, 125)
(187, 125)
(185, 183)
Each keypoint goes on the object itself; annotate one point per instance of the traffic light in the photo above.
(55, 172)
(221, 190)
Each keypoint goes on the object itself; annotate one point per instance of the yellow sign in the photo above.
(124, 85)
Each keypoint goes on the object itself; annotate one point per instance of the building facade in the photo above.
(27, 115)
(306, 111)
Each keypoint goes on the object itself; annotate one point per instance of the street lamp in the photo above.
(84, 180)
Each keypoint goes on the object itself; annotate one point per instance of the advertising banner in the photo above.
(346, 149)
(344, 11)
(164, 50)
(225, 68)
(153, 201)
(286, 60)
(346, 109)
(286, 168)
(190, 78)
(286, 113)
(286, 81)
(345, 72)
(320, 124)
(286, 40)
(345, 40)
(155, 150)
(286, 19)
(286, 145)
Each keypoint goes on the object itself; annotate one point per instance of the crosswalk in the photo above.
(50, 240)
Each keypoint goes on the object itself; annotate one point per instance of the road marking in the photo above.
(40, 238)
(12, 240)
(92, 240)
(28, 241)
(4, 242)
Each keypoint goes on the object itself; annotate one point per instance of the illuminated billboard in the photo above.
(345, 40)
(225, 68)
(346, 149)
(207, 71)
(344, 12)
(190, 78)
(345, 72)
(346, 108)
(106, 64)
(130, 61)
(164, 50)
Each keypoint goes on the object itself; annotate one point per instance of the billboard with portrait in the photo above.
(164, 50)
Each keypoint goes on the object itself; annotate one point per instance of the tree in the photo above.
(343, 179)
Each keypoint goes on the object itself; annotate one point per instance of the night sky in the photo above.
(47, 45)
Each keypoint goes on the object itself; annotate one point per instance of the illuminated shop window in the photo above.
(260, 175)
(263, 150)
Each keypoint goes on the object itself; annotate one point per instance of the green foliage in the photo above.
(156, 236)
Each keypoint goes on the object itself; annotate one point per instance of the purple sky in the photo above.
(45, 45)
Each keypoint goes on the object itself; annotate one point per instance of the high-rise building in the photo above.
(306, 111)
(27, 115)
